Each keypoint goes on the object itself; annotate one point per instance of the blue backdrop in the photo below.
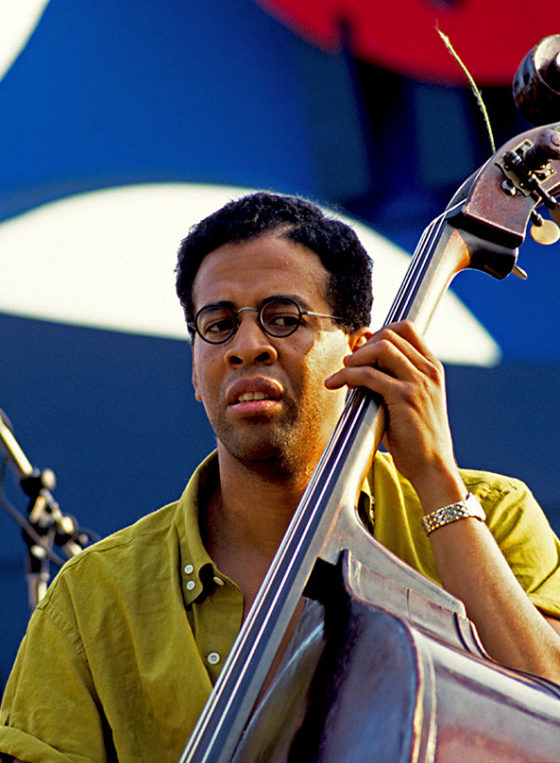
(217, 91)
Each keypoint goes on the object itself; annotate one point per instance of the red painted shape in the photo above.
(400, 35)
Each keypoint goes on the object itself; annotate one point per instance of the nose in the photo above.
(250, 344)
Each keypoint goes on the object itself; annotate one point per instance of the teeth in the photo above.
(249, 396)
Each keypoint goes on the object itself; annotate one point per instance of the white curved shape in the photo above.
(18, 19)
(106, 259)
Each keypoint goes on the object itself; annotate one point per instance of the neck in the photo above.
(247, 517)
(259, 499)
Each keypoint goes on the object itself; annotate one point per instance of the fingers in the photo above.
(395, 352)
(396, 346)
(396, 364)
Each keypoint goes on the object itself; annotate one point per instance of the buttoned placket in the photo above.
(220, 595)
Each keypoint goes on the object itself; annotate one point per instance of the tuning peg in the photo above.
(544, 231)
(519, 273)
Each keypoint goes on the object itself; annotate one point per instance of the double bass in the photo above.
(384, 665)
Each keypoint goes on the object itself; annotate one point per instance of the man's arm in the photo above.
(396, 364)
(553, 622)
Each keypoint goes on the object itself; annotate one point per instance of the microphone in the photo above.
(37, 485)
(11, 449)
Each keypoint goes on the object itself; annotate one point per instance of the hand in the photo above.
(396, 364)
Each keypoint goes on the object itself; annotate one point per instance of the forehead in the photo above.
(246, 272)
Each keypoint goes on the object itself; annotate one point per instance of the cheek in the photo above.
(327, 357)
(319, 364)
(194, 378)
(201, 374)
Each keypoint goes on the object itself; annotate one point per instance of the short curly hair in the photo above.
(349, 291)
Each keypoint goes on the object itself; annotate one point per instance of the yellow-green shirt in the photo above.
(122, 652)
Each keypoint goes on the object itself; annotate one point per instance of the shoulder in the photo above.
(513, 514)
(490, 487)
(136, 538)
(135, 563)
(117, 563)
(510, 506)
(514, 518)
(153, 543)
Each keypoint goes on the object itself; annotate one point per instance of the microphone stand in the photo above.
(45, 525)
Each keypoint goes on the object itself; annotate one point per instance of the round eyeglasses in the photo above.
(277, 317)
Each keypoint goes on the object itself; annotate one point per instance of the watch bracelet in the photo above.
(448, 514)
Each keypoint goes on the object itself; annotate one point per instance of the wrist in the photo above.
(439, 487)
(469, 507)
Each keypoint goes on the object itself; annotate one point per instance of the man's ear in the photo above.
(359, 337)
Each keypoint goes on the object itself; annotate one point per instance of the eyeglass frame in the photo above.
(193, 325)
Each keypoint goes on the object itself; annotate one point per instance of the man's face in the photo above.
(264, 396)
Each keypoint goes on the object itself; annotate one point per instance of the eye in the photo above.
(216, 323)
(282, 320)
(221, 326)
(281, 317)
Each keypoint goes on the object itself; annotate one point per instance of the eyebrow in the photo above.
(226, 303)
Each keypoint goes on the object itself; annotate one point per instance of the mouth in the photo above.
(248, 397)
(256, 391)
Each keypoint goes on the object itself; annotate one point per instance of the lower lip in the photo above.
(254, 407)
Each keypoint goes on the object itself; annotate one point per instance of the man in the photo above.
(122, 652)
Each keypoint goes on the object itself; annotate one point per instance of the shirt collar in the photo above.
(198, 572)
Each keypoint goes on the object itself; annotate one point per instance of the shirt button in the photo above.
(190, 585)
(189, 568)
(213, 658)
(218, 581)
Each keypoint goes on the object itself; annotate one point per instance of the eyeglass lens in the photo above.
(279, 317)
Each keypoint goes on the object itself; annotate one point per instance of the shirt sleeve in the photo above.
(515, 519)
(524, 536)
(50, 711)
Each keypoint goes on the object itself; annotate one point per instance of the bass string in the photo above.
(415, 273)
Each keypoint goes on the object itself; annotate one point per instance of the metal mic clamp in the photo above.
(45, 525)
